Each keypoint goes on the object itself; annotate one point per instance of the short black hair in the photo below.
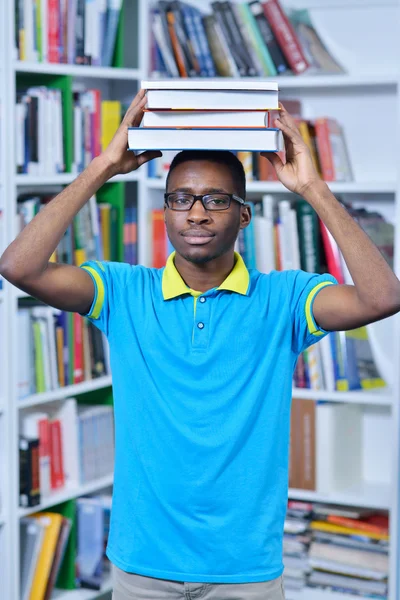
(222, 157)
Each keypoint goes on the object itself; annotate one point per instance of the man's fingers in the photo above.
(274, 159)
(146, 156)
(138, 101)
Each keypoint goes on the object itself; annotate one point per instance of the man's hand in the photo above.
(121, 159)
(299, 173)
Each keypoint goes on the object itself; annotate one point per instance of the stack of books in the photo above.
(191, 114)
(349, 551)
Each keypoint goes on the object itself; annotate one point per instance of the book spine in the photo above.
(285, 36)
(56, 461)
(202, 37)
(220, 19)
(78, 349)
(324, 149)
(274, 50)
(53, 31)
(159, 233)
(237, 37)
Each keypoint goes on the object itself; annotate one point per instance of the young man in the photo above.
(202, 356)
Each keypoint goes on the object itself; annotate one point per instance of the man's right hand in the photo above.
(121, 159)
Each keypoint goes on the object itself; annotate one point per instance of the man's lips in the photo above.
(197, 236)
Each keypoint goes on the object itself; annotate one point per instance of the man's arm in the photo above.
(25, 263)
(376, 290)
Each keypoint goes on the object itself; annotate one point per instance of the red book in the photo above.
(78, 348)
(332, 253)
(159, 238)
(286, 36)
(368, 525)
(322, 137)
(53, 32)
(56, 461)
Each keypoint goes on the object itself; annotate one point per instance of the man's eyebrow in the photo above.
(210, 190)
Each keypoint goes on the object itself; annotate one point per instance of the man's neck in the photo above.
(206, 276)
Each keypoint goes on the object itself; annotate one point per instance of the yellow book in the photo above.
(52, 523)
(105, 219)
(110, 120)
(305, 134)
(331, 528)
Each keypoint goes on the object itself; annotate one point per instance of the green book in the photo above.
(39, 364)
(259, 46)
(308, 228)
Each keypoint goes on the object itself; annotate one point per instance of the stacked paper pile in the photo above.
(349, 550)
(296, 541)
(199, 114)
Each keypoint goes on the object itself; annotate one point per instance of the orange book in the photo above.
(363, 525)
(159, 238)
(180, 61)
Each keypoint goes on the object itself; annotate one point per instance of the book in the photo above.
(204, 119)
(255, 139)
(31, 533)
(209, 94)
(52, 523)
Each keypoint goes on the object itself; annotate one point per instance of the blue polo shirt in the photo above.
(202, 391)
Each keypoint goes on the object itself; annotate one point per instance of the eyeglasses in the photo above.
(215, 201)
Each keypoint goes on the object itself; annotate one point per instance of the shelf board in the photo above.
(78, 70)
(380, 397)
(337, 187)
(65, 179)
(66, 392)
(344, 80)
(366, 495)
(67, 494)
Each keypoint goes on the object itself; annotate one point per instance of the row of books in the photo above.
(43, 547)
(94, 234)
(238, 39)
(63, 448)
(40, 124)
(333, 446)
(95, 123)
(336, 548)
(39, 131)
(57, 349)
(82, 32)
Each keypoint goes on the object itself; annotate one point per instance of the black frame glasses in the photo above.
(203, 198)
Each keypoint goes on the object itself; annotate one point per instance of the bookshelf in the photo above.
(367, 94)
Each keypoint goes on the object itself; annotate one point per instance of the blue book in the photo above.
(90, 542)
(203, 42)
(113, 14)
(250, 242)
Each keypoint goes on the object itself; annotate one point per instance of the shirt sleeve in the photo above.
(101, 275)
(303, 289)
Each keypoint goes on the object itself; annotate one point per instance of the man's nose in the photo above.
(198, 213)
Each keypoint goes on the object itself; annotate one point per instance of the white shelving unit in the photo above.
(366, 100)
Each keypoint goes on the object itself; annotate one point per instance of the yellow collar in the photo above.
(173, 284)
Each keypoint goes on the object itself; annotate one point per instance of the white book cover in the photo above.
(294, 239)
(203, 119)
(212, 99)
(67, 413)
(339, 447)
(253, 139)
(210, 83)
(327, 364)
(284, 234)
(25, 384)
(314, 367)
(359, 558)
(263, 234)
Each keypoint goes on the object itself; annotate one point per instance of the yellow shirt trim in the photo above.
(173, 284)
(98, 305)
(309, 316)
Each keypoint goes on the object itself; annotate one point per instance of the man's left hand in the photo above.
(298, 173)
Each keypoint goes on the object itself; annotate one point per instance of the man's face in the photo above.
(200, 177)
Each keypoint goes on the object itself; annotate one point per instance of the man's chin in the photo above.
(198, 254)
